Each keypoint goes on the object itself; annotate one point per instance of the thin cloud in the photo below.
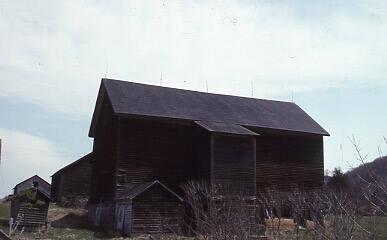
(54, 54)
(23, 156)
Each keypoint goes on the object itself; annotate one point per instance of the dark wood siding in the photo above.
(156, 211)
(55, 188)
(233, 163)
(285, 162)
(151, 151)
(71, 187)
(202, 164)
(104, 150)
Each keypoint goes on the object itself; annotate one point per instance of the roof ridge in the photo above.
(197, 91)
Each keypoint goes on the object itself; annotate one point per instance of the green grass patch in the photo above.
(5, 209)
(375, 224)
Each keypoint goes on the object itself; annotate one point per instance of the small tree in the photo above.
(338, 181)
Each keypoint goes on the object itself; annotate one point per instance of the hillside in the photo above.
(368, 184)
(375, 171)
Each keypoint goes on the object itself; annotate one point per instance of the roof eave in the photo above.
(323, 132)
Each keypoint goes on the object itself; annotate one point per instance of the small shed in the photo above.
(149, 208)
(33, 182)
(29, 208)
(71, 184)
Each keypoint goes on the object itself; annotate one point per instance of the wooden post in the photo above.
(10, 226)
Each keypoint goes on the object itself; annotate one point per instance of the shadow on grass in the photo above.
(72, 221)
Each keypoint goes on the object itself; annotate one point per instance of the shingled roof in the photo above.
(87, 158)
(143, 187)
(134, 99)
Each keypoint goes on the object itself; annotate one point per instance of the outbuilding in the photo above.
(71, 184)
(30, 202)
(148, 208)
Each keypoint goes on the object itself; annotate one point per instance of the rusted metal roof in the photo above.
(134, 99)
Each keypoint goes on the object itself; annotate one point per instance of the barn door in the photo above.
(120, 217)
(98, 212)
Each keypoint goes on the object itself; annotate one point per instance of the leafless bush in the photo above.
(220, 216)
(371, 186)
(275, 206)
(334, 213)
(342, 218)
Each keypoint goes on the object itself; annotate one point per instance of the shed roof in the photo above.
(143, 187)
(38, 191)
(128, 98)
(36, 177)
(87, 157)
(45, 194)
(226, 128)
(45, 190)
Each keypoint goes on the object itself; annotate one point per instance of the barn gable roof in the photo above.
(134, 99)
(87, 157)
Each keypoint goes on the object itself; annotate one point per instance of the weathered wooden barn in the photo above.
(144, 133)
(71, 184)
(30, 202)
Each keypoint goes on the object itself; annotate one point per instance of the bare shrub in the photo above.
(218, 216)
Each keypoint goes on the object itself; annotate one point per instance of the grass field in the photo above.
(380, 226)
(287, 229)
(5, 210)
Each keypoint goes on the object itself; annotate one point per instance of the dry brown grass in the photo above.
(56, 213)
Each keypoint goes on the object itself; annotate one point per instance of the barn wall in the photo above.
(233, 163)
(156, 211)
(285, 162)
(150, 150)
(202, 160)
(74, 185)
(104, 152)
(55, 188)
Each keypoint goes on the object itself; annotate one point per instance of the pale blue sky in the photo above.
(330, 55)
